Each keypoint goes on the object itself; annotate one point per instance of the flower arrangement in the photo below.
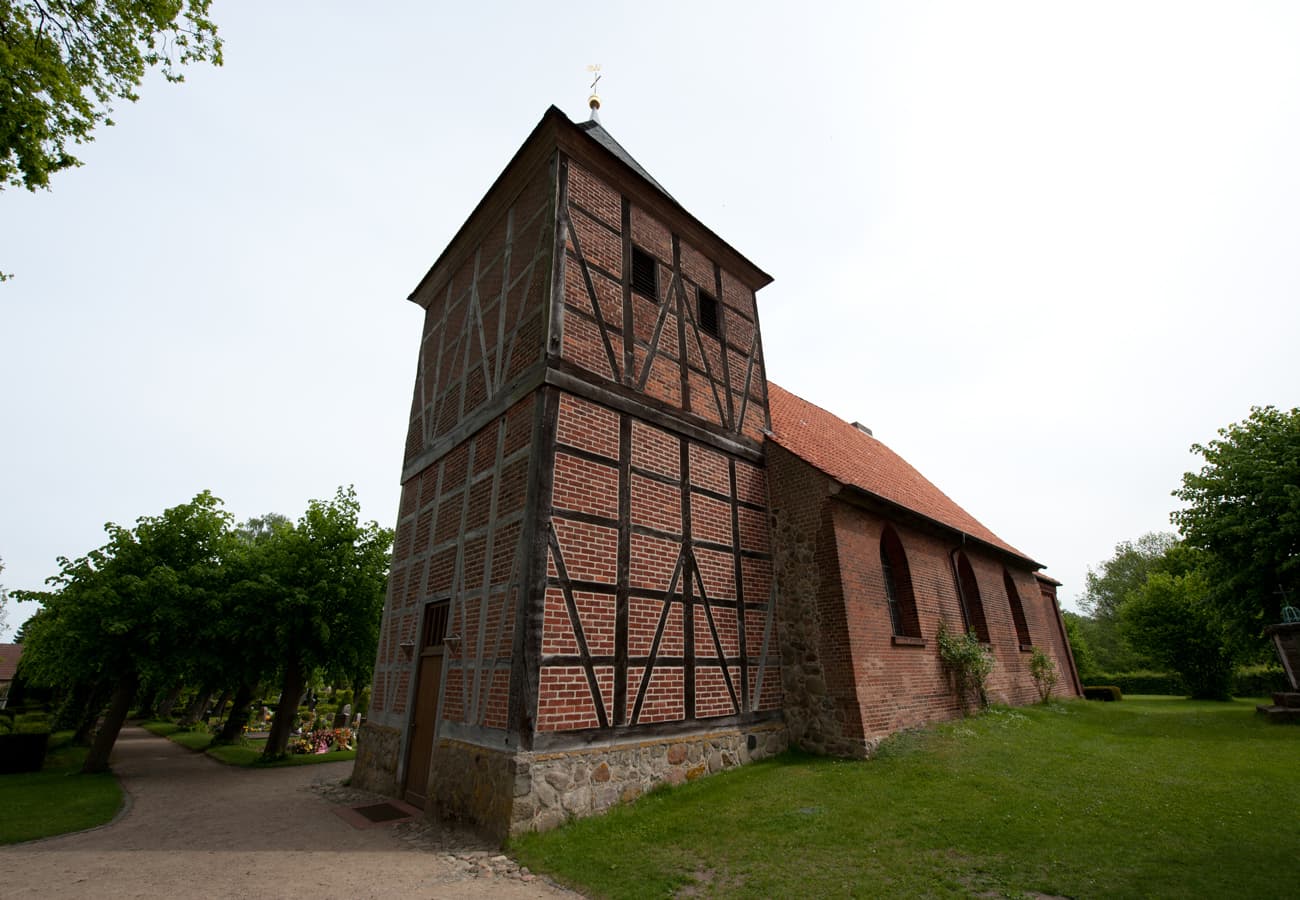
(323, 741)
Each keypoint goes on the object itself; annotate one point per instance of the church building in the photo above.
(623, 556)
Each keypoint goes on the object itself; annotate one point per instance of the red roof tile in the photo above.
(852, 457)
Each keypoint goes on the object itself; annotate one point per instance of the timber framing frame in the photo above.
(594, 485)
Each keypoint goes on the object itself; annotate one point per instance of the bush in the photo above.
(1043, 671)
(1106, 692)
(1248, 681)
(1144, 682)
(32, 723)
(6, 725)
(1259, 681)
(968, 663)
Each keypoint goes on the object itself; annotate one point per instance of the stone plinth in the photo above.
(506, 792)
(1286, 639)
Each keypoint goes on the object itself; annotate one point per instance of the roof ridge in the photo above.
(849, 456)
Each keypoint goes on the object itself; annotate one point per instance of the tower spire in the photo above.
(594, 100)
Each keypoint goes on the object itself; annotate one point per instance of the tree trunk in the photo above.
(90, 713)
(73, 709)
(219, 708)
(169, 701)
(198, 706)
(148, 697)
(281, 726)
(238, 718)
(106, 737)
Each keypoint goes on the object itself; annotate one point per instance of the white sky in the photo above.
(1039, 247)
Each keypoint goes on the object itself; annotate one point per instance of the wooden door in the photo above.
(424, 713)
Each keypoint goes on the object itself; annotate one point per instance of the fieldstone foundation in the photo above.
(504, 792)
(811, 713)
(375, 768)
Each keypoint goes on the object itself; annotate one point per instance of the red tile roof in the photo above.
(852, 457)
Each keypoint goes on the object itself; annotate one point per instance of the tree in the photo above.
(1080, 649)
(1243, 508)
(323, 586)
(1174, 619)
(63, 64)
(242, 652)
(128, 611)
(1106, 588)
(4, 602)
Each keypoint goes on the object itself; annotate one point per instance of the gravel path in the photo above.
(194, 827)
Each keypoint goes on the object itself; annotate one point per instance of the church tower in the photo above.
(581, 602)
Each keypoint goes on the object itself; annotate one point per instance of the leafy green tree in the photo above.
(1105, 590)
(323, 585)
(243, 652)
(4, 602)
(1243, 508)
(64, 62)
(1079, 647)
(1106, 587)
(128, 611)
(1173, 617)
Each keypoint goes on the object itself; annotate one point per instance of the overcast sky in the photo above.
(1039, 248)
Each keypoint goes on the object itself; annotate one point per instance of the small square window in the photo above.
(645, 274)
(708, 306)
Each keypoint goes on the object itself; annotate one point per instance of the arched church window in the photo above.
(1017, 610)
(971, 604)
(898, 585)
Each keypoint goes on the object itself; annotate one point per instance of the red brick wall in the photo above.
(665, 355)
(874, 685)
(610, 467)
(899, 685)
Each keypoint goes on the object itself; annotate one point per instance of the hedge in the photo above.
(1248, 681)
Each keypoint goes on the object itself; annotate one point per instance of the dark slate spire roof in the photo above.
(598, 133)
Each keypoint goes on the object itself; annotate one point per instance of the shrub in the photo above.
(968, 663)
(1259, 681)
(1106, 692)
(6, 725)
(1248, 681)
(1043, 671)
(32, 723)
(1145, 682)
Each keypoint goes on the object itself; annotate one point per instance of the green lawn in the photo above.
(1149, 797)
(245, 755)
(57, 799)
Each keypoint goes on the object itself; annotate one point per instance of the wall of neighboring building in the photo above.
(465, 468)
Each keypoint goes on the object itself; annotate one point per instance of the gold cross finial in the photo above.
(594, 100)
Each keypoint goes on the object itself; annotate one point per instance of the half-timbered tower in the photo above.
(590, 593)
(582, 561)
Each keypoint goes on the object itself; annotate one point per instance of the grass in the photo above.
(1149, 797)
(247, 755)
(57, 799)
